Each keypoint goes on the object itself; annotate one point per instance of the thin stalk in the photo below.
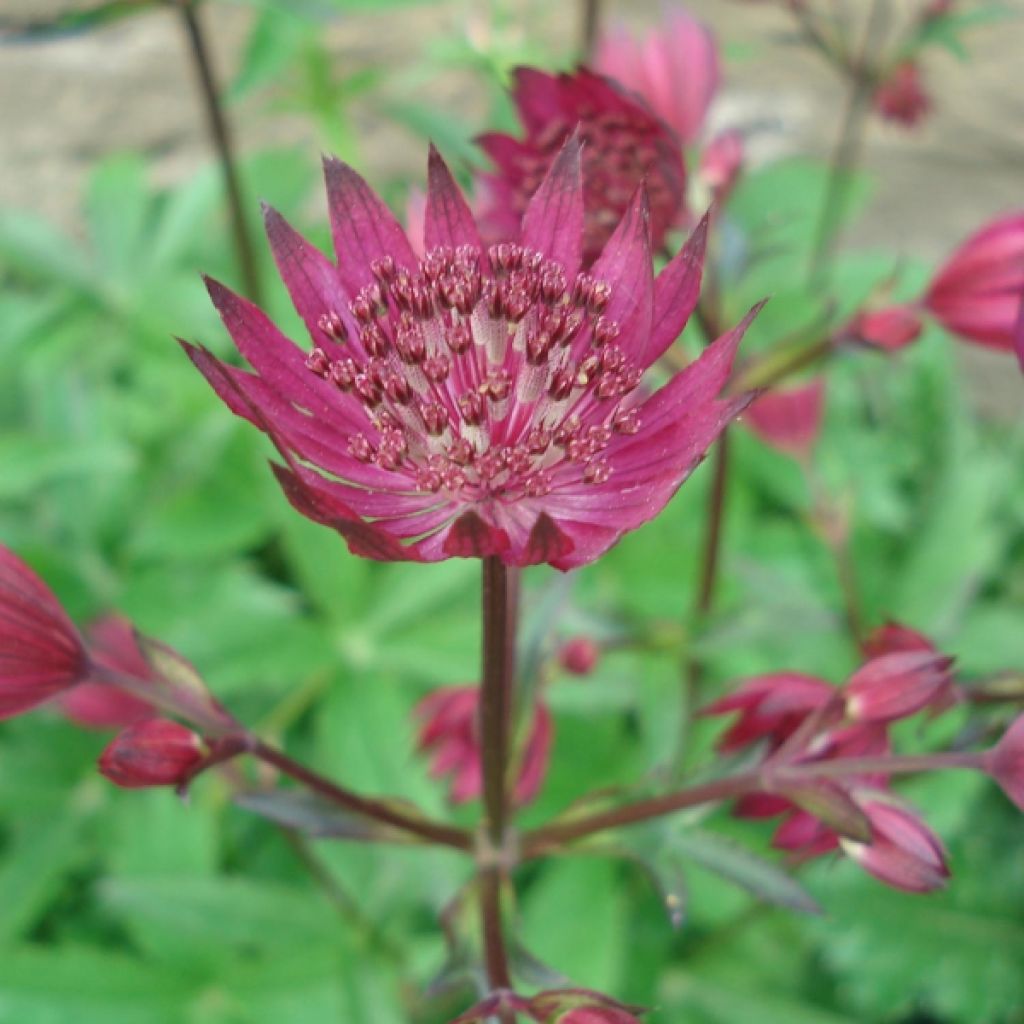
(909, 765)
(548, 837)
(220, 136)
(590, 26)
(377, 810)
(766, 778)
(499, 612)
(693, 668)
(846, 155)
(498, 606)
(495, 953)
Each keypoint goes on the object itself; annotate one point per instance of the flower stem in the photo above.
(495, 953)
(590, 26)
(766, 779)
(846, 155)
(549, 837)
(378, 810)
(498, 602)
(499, 606)
(220, 135)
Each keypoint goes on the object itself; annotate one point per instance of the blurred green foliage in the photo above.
(128, 486)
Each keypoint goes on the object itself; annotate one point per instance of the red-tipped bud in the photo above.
(891, 637)
(580, 1006)
(891, 328)
(579, 655)
(903, 853)
(156, 752)
(449, 730)
(897, 685)
(41, 653)
(901, 97)
(1005, 762)
(789, 420)
(977, 293)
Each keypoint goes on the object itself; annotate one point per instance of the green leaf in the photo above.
(88, 987)
(726, 858)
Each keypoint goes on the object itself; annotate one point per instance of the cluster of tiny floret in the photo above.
(481, 375)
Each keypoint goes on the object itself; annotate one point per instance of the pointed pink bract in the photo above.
(41, 653)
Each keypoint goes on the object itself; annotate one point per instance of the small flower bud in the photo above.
(579, 655)
(891, 328)
(903, 853)
(789, 420)
(1005, 762)
(897, 685)
(156, 752)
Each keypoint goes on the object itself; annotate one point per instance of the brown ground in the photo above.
(67, 102)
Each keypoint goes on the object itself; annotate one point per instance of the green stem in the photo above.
(846, 155)
(590, 26)
(220, 135)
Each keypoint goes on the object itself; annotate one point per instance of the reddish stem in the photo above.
(498, 600)
(377, 810)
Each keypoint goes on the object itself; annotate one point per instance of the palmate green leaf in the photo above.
(690, 996)
(118, 207)
(218, 914)
(32, 247)
(573, 919)
(275, 39)
(40, 853)
(40, 986)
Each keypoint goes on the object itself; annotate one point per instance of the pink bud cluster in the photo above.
(804, 720)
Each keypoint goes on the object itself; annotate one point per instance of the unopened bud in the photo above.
(897, 685)
(156, 752)
(579, 655)
(1005, 762)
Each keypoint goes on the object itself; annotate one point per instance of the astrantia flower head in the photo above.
(477, 402)
(41, 653)
(624, 145)
(675, 68)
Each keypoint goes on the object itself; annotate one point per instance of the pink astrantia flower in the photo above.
(789, 420)
(156, 752)
(1005, 762)
(41, 653)
(624, 145)
(675, 68)
(113, 645)
(478, 402)
(977, 293)
(901, 96)
(450, 732)
(904, 852)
